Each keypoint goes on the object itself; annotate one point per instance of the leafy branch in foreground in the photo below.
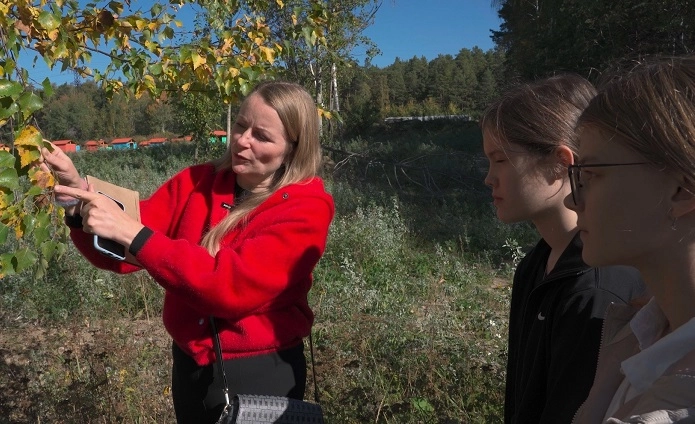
(147, 53)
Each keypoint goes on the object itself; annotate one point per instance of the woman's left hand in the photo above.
(102, 216)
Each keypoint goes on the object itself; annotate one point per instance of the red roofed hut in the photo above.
(218, 136)
(123, 143)
(65, 145)
(155, 141)
(94, 145)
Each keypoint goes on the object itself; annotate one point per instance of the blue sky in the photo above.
(402, 28)
(407, 28)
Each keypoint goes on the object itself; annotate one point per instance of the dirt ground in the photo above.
(85, 372)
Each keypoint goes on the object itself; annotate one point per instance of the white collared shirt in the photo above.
(657, 353)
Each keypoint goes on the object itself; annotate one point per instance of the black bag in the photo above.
(258, 409)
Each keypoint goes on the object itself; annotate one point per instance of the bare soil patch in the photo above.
(73, 373)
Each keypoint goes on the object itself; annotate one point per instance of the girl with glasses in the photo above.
(642, 215)
(558, 301)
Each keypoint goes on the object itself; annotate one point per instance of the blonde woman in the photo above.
(633, 190)
(237, 239)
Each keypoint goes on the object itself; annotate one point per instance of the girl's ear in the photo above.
(683, 200)
(564, 156)
(561, 158)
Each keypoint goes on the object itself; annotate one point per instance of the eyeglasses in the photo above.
(575, 174)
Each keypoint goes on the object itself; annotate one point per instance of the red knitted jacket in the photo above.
(256, 285)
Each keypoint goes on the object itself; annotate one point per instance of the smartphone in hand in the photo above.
(107, 246)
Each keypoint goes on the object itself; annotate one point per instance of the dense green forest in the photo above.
(543, 37)
(446, 85)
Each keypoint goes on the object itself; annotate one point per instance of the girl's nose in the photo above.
(489, 179)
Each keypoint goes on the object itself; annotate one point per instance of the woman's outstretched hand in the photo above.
(64, 170)
(102, 216)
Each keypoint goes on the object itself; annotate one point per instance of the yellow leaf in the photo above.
(324, 113)
(29, 136)
(3, 201)
(28, 156)
(53, 34)
(268, 54)
(197, 60)
(42, 178)
(280, 3)
(186, 87)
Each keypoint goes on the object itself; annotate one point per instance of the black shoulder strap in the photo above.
(220, 363)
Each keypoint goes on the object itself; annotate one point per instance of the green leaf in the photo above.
(116, 7)
(9, 88)
(4, 231)
(29, 103)
(6, 159)
(48, 20)
(6, 265)
(9, 178)
(47, 87)
(41, 234)
(23, 259)
(423, 405)
(49, 249)
(250, 73)
(33, 191)
(156, 69)
(7, 107)
(156, 9)
(29, 222)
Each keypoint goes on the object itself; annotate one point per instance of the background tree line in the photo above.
(543, 37)
(460, 85)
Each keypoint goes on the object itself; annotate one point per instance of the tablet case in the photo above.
(129, 198)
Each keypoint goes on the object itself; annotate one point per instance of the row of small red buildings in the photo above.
(127, 143)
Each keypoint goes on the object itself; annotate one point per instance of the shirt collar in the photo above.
(657, 353)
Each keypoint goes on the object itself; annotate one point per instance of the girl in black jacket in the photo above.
(558, 302)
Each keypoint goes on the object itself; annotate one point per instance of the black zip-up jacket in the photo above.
(555, 332)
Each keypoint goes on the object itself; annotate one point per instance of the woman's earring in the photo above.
(673, 220)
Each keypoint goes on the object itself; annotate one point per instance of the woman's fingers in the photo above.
(82, 195)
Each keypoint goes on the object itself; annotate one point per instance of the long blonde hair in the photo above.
(299, 116)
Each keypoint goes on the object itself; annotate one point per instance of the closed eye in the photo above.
(260, 136)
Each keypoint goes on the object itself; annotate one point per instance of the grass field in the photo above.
(411, 296)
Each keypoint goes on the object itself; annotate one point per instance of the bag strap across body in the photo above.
(220, 363)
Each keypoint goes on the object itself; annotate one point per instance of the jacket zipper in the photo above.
(598, 358)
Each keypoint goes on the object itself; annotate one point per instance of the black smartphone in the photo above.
(107, 246)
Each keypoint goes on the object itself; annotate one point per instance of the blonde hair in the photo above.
(651, 110)
(299, 116)
(540, 115)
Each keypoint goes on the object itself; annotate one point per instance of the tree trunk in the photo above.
(318, 86)
(334, 100)
(229, 123)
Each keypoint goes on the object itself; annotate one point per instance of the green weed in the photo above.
(411, 297)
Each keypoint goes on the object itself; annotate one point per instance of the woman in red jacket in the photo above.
(237, 239)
